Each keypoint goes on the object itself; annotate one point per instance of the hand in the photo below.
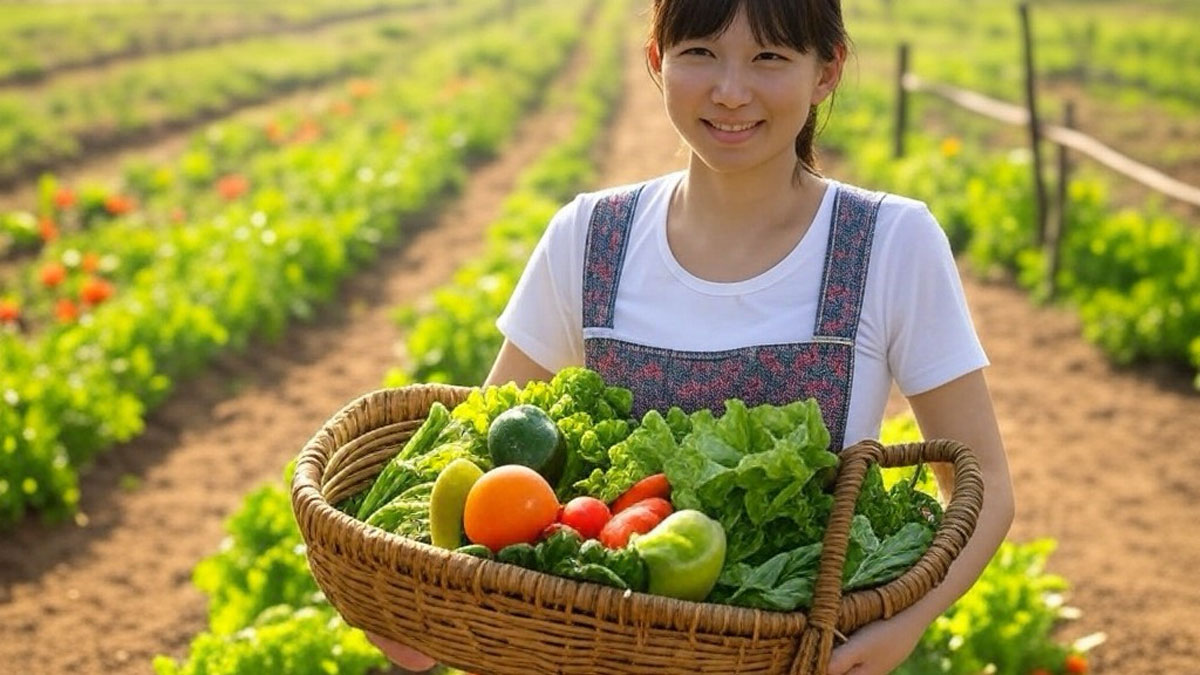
(877, 648)
(401, 655)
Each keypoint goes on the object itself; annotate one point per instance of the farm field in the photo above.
(1105, 456)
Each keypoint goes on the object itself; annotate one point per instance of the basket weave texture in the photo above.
(491, 617)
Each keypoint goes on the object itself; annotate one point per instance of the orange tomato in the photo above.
(510, 504)
(1076, 664)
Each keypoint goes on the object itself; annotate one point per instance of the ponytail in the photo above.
(806, 154)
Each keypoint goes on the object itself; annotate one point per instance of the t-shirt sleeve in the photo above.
(932, 339)
(543, 317)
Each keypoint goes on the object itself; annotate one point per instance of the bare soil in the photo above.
(1105, 460)
(118, 588)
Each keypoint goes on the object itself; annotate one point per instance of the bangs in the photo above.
(793, 23)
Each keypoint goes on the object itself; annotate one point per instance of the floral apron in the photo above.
(776, 373)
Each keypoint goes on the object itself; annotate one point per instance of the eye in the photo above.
(698, 51)
(771, 56)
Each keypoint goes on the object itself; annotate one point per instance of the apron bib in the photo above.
(821, 368)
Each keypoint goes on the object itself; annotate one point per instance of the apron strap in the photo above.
(845, 277)
(604, 255)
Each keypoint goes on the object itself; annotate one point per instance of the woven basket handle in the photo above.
(958, 522)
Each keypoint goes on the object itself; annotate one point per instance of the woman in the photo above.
(751, 275)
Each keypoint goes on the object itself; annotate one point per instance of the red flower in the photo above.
(308, 131)
(10, 311)
(275, 132)
(233, 186)
(118, 205)
(95, 291)
(53, 274)
(91, 262)
(47, 230)
(1075, 664)
(361, 88)
(66, 311)
(64, 198)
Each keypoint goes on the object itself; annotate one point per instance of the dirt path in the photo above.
(1105, 461)
(118, 590)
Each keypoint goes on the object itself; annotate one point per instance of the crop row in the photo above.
(69, 117)
(1147, 52)
(39, 38)
(1133, 274)
(282, 228)
(264, 607)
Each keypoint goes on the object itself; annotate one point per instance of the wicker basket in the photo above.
(490, 617)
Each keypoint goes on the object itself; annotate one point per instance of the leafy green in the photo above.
(885, 560)
(392, 480)
(640, 454)
(565, 554)
(757, 471)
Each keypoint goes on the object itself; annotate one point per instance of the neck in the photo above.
(758, 201)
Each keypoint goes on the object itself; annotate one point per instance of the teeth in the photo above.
(733, 127)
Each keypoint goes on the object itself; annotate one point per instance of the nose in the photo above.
(731, 89)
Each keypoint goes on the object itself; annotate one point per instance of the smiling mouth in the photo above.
(732, 134)
(732, 128)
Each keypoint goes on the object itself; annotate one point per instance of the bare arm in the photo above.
(962, 410)
(514, 365)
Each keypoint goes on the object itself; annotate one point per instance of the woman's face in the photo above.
(739, 104)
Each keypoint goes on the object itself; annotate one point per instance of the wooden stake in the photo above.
(901, 102)
(1035, 133)
(1054, 245)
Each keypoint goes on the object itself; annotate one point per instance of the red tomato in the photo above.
(587, 515)
(659, 506)
(554, 528)
(651, 486)
(638, 519)
(1076, 664)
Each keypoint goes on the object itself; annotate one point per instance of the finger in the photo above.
(842, 662)
(402, 655)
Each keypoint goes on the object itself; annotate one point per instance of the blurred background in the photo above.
(221, 221)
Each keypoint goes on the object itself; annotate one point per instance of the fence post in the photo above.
(901, 102)
(1054, 245)
(1035, 132)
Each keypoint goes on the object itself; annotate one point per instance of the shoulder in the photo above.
(568, 230)
(901, 222)
(644, 190)
(574, 218)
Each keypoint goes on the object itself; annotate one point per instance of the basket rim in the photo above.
(385, 550)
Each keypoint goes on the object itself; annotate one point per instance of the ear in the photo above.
(829, 75)
(654, 56)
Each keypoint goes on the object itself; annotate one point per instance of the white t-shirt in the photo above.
(915, 327)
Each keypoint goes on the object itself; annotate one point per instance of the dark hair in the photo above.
(804, 25)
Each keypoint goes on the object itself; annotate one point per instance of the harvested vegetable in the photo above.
(684, 555)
